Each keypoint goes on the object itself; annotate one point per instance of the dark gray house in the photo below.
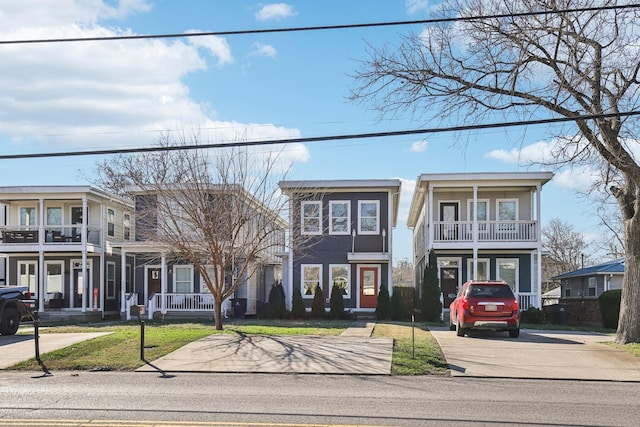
(340, 233)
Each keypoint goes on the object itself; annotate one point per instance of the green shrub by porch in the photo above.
(609, 302)
(402, 302)
(317, 306)
(383, 308)
(277, 308)
(298, 310)
(532, 315)
(336, 303)
(430, 302)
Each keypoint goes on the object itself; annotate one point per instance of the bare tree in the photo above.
(218, 210)
(566, 249)
(402, 274)
(521, 63)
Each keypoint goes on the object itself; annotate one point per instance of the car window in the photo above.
(489, 291)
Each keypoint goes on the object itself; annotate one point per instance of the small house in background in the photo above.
(341, 233)
(581, 288)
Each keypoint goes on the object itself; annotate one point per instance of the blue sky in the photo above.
(105, 95)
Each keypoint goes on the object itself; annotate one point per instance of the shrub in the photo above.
(298, 310)
(609, 302)
(336, 303)
(402, 302)
(277, 308)
(383, 308)
(431, 305)
(317, 306)
(532, 315)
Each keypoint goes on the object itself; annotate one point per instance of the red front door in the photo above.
(368, 287)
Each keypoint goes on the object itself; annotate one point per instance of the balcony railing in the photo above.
(51, 234)
(488, 231)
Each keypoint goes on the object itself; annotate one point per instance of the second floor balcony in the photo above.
(69, 234)
(487, 231)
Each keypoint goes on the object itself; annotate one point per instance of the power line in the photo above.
(319, 27)
(315, 138)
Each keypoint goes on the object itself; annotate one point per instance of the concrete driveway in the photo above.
(537, 354)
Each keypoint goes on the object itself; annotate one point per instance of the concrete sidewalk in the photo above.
(353, 352)
(16, 348)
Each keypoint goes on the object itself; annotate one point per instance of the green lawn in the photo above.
(120, 350)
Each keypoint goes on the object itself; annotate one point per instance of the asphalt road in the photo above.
(137, 399)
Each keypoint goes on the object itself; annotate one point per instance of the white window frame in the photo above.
(31, 220)
(347, 294)
(175, 278)
(514, 286)
(126, 226)
(377, 217)
(480, 261)
(203, 285)
(32, 281)
(46, 276)
(303, 218)
(347, 231)
(111, 281)
(482, 228)
(303, 267)
(506, 227)
(111, 222)
(592, 283)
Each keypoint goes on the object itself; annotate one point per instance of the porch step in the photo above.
(364, 315)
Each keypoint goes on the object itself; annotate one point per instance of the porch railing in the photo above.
(181, 302)
(50, 234)
(488, 231)
(527, 300)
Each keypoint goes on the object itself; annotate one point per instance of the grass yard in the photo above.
(120, 350)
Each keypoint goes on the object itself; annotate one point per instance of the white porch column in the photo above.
(429, 222)
(475, 232)
(102, 298)
(539, 249)
(41, 275)
(163, 283)
(123, 280)
(85, 288)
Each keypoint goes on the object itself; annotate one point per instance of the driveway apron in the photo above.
(537, 354)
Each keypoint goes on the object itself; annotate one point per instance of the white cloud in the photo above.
(414, 6)
(419, 146)
(577, 178)
(275, 11)
(105, 94)
(264, 50)
(539, 152)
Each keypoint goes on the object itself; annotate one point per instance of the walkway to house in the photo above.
(353, 352)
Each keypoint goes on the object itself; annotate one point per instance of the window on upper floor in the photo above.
(339, 217)
(507, 214)
(111, 222)
(126, 225)
(27, 216)
(482, 213)
(368, 217)
(311, 217)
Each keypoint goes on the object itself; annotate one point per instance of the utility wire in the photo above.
(320, 27)
(315, 138)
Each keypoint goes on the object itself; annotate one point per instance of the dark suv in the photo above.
(485, 305)
(12, 308)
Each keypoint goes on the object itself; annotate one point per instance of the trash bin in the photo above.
(562, 314)
(239, 307)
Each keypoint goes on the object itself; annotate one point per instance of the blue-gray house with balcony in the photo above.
(340, 232)
(481, 226)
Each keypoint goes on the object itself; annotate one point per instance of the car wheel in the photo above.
(10, 321)
(514, 333)
(452, 326)
(459, 329)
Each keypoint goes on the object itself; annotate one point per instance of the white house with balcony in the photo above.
(59, 242)
(481, 226)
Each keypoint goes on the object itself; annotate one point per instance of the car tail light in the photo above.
(465, 303)
(516, 305)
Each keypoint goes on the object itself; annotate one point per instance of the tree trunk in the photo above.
(217, 313)
(629, 320)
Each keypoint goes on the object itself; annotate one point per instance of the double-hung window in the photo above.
(311, 217)
(111, 280)
(339, 217)
(126, 226)
(311, 279)
(482, 214)
(507, 213)
(369, 217)
(339, 278)
(111, 222)
(507, 270)
(183, 279)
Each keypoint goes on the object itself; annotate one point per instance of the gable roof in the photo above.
(615, 266)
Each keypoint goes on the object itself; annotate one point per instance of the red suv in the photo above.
(485, 305)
